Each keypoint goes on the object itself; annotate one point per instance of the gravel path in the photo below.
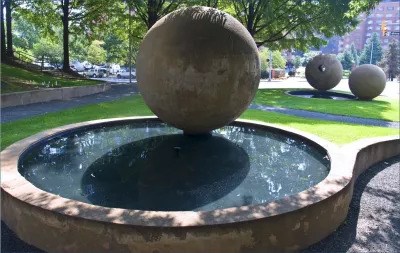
(116, 91)
(373, 221)
(372, 225)
(326, 116)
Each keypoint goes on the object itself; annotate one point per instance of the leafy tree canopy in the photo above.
(96, 53)
(278, 62)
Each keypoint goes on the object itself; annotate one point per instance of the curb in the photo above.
(45, 95)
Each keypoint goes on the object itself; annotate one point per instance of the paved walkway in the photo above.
(329, 117)
(116, 91)
(372, 224)
(120, 90)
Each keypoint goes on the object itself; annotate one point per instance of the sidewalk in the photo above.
(119, 90)
(116, 91)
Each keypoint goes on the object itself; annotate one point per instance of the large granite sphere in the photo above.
(324, 72)
(367, 81)
(198, 69)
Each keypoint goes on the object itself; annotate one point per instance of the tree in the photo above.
(308, 57)
(298, 23)
(76, 16)
(116, 48)
(8, 4)
(297, 62)
(150, 11)
(278, 62)
(79, 47)
(374, 45)
(346, 59)
(391, 60)
(25, 33)
(47, 51)
(96, 53)
(3, 31)
(354, 54)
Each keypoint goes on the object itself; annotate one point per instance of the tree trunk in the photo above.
(3, 33)
(250, 20)
(152, 15)
(9, 52)
(65, 19)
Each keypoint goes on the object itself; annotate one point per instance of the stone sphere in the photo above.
(198, 69)
(367, 81)
(324, 72)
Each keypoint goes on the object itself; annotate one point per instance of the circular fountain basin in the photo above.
(73, 188)
(149, 165)
(321, 94)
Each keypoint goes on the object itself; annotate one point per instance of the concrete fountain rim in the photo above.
(340, 175)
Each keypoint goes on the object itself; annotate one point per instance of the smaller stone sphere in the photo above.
(324, 72)
(367, 81)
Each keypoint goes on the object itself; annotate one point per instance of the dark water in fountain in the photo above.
(321, 94)
(152, 166)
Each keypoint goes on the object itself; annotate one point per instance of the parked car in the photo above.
(123, 73)
(77, 65)
(98, 72)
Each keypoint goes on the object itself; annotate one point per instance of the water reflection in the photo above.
(168, 172)
(150, 165)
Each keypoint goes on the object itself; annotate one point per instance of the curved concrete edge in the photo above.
(45, 95)
(56, 224)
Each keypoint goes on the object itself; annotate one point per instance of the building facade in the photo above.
(388, 12)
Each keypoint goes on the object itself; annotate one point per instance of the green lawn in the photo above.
(379, 108)
(15, 79)
(134, 106)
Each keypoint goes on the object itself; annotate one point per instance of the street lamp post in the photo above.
(270, 65)
(372, 49)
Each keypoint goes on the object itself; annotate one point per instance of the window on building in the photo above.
(389, 15)
(370, 22)
(389, 28)
(369, 28)
(378, 27)
(368, 34)
(378, 15)
(390, 8)
(381, 9)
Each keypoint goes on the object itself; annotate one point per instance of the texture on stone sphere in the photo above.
(367, 81)
(198, 69)
(324, 72)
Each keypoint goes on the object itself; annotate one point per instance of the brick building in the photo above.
(387, 11)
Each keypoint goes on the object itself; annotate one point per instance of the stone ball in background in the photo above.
(324, 72)
(367, 81)
(198, 69)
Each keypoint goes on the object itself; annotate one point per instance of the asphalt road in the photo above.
(372, 224)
